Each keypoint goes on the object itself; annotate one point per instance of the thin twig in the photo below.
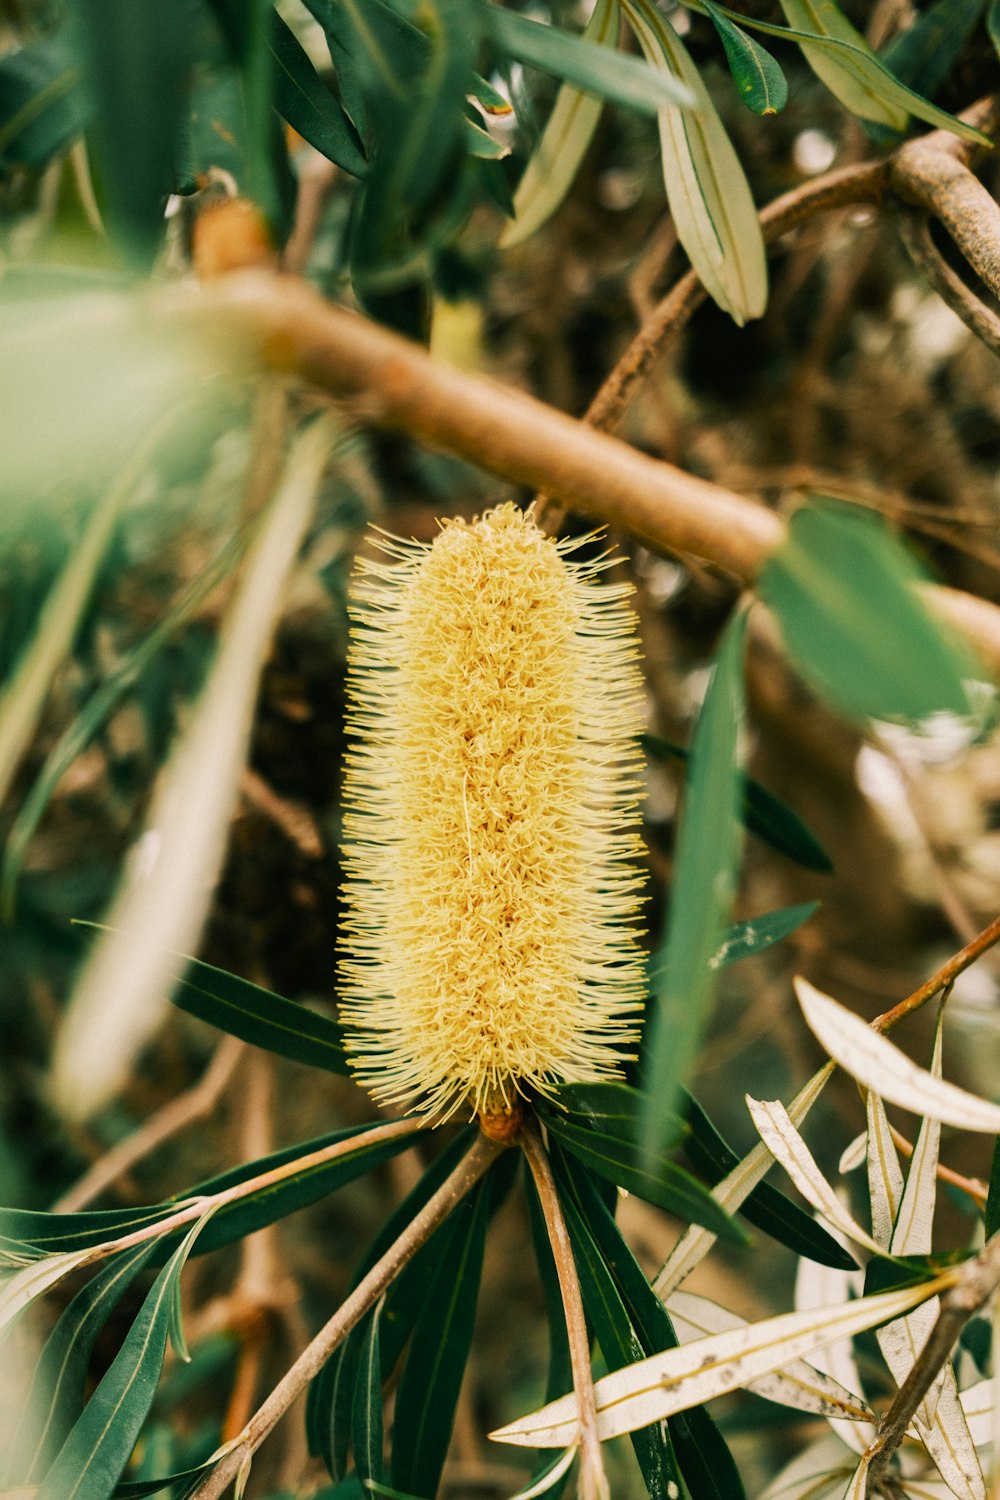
(593, 1483)
(941, 978)
(465, 1176)
(977, 1280)
(194, 1104)
(915, 232)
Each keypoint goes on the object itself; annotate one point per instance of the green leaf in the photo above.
(763, 814)
(247, 27)
(843, 590)
(595, 68)
(56, 1396)
(608, 1108)
(620, 1347)
(993, 1199)
(923, 55)
(658, 1181)
(757, 934)
(757, 76)
(375, 51)
(138, 71)
(700, 1449)
(44, 102)
(709, 196)
(367, 1418)
(439, 1349)
(94, 1455)
(556, 159)
(766, 1207)
(704, 876)
(303, 99)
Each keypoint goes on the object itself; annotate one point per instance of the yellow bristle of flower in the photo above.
(491, 831)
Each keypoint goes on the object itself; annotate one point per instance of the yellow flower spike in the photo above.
(491, 832)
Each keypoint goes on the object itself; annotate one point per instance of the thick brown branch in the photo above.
(916, 236)
(280, 321)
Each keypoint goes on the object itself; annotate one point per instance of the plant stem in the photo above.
(941, 978)
(593, 1483)
(470, 1169)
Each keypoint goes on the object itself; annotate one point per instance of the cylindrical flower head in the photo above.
(491, 831)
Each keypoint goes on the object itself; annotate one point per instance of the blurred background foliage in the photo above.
(386, 177)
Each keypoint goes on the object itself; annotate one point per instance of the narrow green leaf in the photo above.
(608, 1108)
(367, 1417)
(766, 1207)
(620, 1346)
(375, 50)
(709, 196)
(43, 102)
(56, 1396)
(757, 934)
(93, 1457)
(439, 1349)
(569, 130)
(247, 27)
(597, 69)
(658, 1180)
(131, 60)
(759, 79)
(842, 588)
(923, 55)
(762, 813)
(303, 99)
(700, 1449)
(707, 851)
(993, 23)
(993, 1200)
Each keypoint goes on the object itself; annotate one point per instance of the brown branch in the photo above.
(593, 1483)
(977, 1281)
(914, 229)
(364, 1296)
(194, 1104)
(280, 321)
(941, 978)
(929, 174)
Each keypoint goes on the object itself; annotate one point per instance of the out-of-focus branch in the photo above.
(915, 232)
(281, 322)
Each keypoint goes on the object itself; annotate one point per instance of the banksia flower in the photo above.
(491, 827)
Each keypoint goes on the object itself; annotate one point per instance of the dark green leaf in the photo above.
(596, 69)
(439, 1349)
(619, 1345)
(367, 1423)
(699, 1447)
(757, 934)
(758, 77)
(892, 1273)
(661, 1182)
(843, 590)
(609, 1108)
(704, 877)
(763, 814)
(376, 53)
(43, 102)
(303, 99)
(246, 25)
(993, 1200)
(924, 54)
(138, 70)
(93, 1457)
(56, 1397)
(766, 1207)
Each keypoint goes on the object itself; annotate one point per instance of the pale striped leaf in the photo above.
(18, 1291)
(694, 1373)
(734, 1189)
(913, 1232)
(979, 1405)
(549, 1477)
(709, 196)
(819, 1472)
(821, 1286)
(119, 997)
(570, 128)
(885, 1177)
(879, 1064)
(787, 1147)
(857, 1488)
(798, 1384)
(853, 1155)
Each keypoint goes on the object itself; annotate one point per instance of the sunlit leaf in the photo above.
(119, 997)
(842, 588)
(877, 1063)
(817, 1287)
(18, 1291)
(758, 77)
(823, 18)
(568, 132)
(787, 1147)
(704, 876)
(709, 1367)
(710, 199)
(885, 1177)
